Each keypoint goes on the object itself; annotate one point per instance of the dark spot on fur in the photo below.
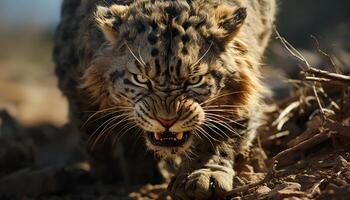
(132, 90)
(154, 52)
(171, 11)
(157, 65)
(262, 37)
(237, 45)
(126, 89)
(211, 151)
(154, 25)
(250, 65)
(232, 23)
(185, 38)
(217, 76)
(152, 38)
(221, 163)
(186, 25)
(174, 32)
(108, 14)
(200, 23)
(240, 47)
(116, 23)
(179, 63)
(138, 66)
(239, 158)
(178, 67)
(140, 27)
(223, 153)
(241, 14)
(127, 82)
(184, 51)
(117, 75)
(238, 63)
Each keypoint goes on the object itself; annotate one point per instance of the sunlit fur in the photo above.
(196, 61)
(180, 49)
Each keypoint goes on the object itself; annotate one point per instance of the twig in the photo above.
(291, 49)
(325, 80)
(314, 188)
(316, 139)
(298, 55)
(285, 112)
(325, 74)
(329, 58)
(270, 175)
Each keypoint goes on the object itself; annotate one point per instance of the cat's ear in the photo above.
(109, 19)
(228, 22)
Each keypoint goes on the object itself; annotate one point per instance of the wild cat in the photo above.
(183, 75)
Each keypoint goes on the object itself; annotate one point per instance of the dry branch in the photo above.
(344, 79)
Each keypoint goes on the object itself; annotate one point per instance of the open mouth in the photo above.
(168, 139)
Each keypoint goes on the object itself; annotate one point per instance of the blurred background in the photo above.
(28, 86)
(32, 140)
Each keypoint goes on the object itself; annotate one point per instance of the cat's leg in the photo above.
(206, 175)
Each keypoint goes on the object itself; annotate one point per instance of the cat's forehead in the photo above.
(166, 40)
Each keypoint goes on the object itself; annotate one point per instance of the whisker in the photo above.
(110, 129)
(143, 62)
(105, 133)
(104, 125)
(224, 124)
(222, 95)
(217, 117)
(127, 99)
(219, 110)
(121, 133)
(95, 113)
(99, 135)
(105, 115)
(211, 127)
(132, 53)
(108, 109)
(202, 57)
(223, 106)
(205, 134)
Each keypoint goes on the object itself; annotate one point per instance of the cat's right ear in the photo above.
(109, 19)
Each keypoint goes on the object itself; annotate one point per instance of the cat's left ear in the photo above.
(228, 22)
(109, 19)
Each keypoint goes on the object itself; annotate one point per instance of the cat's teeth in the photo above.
(179, 135)
(158, 136)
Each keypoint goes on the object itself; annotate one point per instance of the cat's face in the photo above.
(167, 69)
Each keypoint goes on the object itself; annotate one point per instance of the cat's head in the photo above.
(174, 69)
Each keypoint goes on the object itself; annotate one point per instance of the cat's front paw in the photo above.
(211, 182)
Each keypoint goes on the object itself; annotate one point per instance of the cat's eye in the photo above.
(195, 80)
(140, 78)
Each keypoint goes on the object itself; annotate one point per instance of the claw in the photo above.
(212, 184)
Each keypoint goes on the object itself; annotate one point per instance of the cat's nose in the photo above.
(167, 123)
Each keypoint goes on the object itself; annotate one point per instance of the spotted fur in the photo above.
(193, 61)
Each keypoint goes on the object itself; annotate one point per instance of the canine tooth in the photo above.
(158, 136)
(179, 135)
